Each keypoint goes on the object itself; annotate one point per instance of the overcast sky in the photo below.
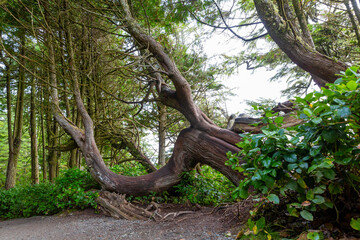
(247, 84)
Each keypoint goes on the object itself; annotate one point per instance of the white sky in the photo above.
(247, 84)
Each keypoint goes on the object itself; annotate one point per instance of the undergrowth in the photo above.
(75, 189)
(72, 190)
(206, 187)
(308, 175)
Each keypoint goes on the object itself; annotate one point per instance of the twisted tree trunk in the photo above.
(203, 142)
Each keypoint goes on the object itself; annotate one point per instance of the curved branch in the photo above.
(301, 53)
(232, 31)
(183, 90)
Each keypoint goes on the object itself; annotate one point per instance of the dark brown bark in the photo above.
(241, 127)
(300, 52)
(14, 149)
(33, 137)
(43, 138)
(162, 134)
(52, 158)
(52, 125)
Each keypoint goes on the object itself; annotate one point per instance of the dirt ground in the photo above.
(180, 222)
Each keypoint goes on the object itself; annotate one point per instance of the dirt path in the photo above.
(207, 223)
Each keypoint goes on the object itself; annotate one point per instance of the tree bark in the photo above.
(203, 142)
(300, 52)
(52, 158)
(52, 125)
(356, 9)
(353, 21)
(33, 137)
(43, 139)
(162, 134)
(15, 141)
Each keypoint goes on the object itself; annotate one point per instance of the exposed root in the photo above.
(116, 206)
(177, 214)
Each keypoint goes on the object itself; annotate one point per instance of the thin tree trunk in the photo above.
(162, 134)
(353, 20)
(303, 22)
(33, 137)
(53, 155)
(14, 149)
(43, 165)
(356, 9)
(52, 126)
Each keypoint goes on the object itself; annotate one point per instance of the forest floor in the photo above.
(180, 222)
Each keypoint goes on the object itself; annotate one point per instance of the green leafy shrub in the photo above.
(132, 168)
(307, 165)
(69, 191)
(208, 188)
(73, 188)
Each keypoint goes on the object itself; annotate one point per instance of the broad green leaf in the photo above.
(308, 112)
(320, 190)
(315, 236)
(269, 181)
(292, 211)
(335, 188)
(310, 194)
(344, 161)
(315, 150)
(304, 165)
(292, 166)
(326, 114)
(354, 177)
(306, 215)
(292, 185)
(318, 199)
(302, 183)
(328, 92)
(279, 120)
(308, 96)
(343, 112)
(339, 101)
(329, 173)
(267, 162)
(273, 198)
(319, 109)
(352, 85)
(291, 158)
(351, 71)
(243, 193)
(303, 116)
(260, 223)
(355, 224)
(268, 114)
(316, 120)
(328, 203)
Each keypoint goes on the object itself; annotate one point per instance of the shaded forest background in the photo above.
(114, 78)
(83, 83)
